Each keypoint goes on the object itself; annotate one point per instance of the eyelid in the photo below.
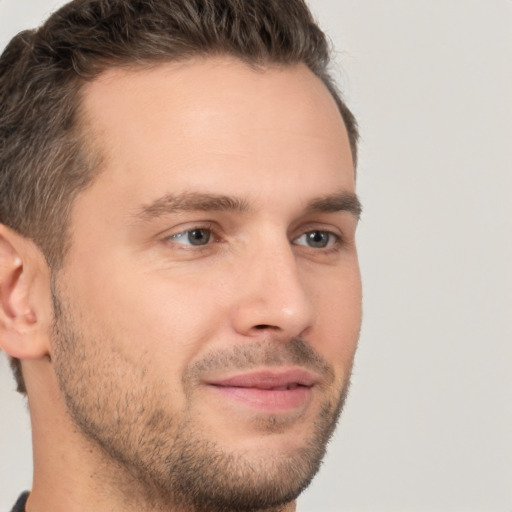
(193, 226)
(337, 238)
(171, 236)
(328, 226)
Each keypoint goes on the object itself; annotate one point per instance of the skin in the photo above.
(147, 325)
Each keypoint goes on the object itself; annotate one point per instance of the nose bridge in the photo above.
(272, 294)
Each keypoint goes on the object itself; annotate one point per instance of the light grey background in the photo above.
(428, 426)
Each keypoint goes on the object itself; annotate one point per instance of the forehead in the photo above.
(207, 121)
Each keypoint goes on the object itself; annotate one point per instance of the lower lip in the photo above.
(269, 400)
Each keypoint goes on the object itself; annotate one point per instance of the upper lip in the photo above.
(268, 379)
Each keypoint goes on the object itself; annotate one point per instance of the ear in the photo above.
(25, 297)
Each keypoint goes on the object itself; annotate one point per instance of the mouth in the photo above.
(267, 390)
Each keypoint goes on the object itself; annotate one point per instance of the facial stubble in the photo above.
(164, 458)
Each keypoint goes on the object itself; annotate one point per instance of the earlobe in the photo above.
(25, 315)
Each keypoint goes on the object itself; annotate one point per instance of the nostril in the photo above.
(262, 326)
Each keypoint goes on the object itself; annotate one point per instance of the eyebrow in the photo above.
(342, 201)
(194, 201)
(191, 201)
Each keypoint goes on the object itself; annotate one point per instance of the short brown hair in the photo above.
(44, 157)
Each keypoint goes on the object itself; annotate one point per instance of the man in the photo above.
(180, 288)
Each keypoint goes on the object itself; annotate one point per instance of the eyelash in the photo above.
(335, 241)
(209, 228)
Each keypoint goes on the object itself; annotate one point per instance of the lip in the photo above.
(272, 391)
(268, 379)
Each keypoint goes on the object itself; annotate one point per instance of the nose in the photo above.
(272, 298)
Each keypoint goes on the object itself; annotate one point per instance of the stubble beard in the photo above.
(163, 458)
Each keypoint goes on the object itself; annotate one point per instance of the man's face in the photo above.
(208, 311)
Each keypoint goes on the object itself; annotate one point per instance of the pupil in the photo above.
(318, 239)
(199, 236)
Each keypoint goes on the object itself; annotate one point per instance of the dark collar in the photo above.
(20, 504)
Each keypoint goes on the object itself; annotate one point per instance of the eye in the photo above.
(196, 236)
(318, 239)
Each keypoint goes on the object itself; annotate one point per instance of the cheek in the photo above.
(151, 316)
(338, 316)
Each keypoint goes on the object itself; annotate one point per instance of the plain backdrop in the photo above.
(428, 425)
